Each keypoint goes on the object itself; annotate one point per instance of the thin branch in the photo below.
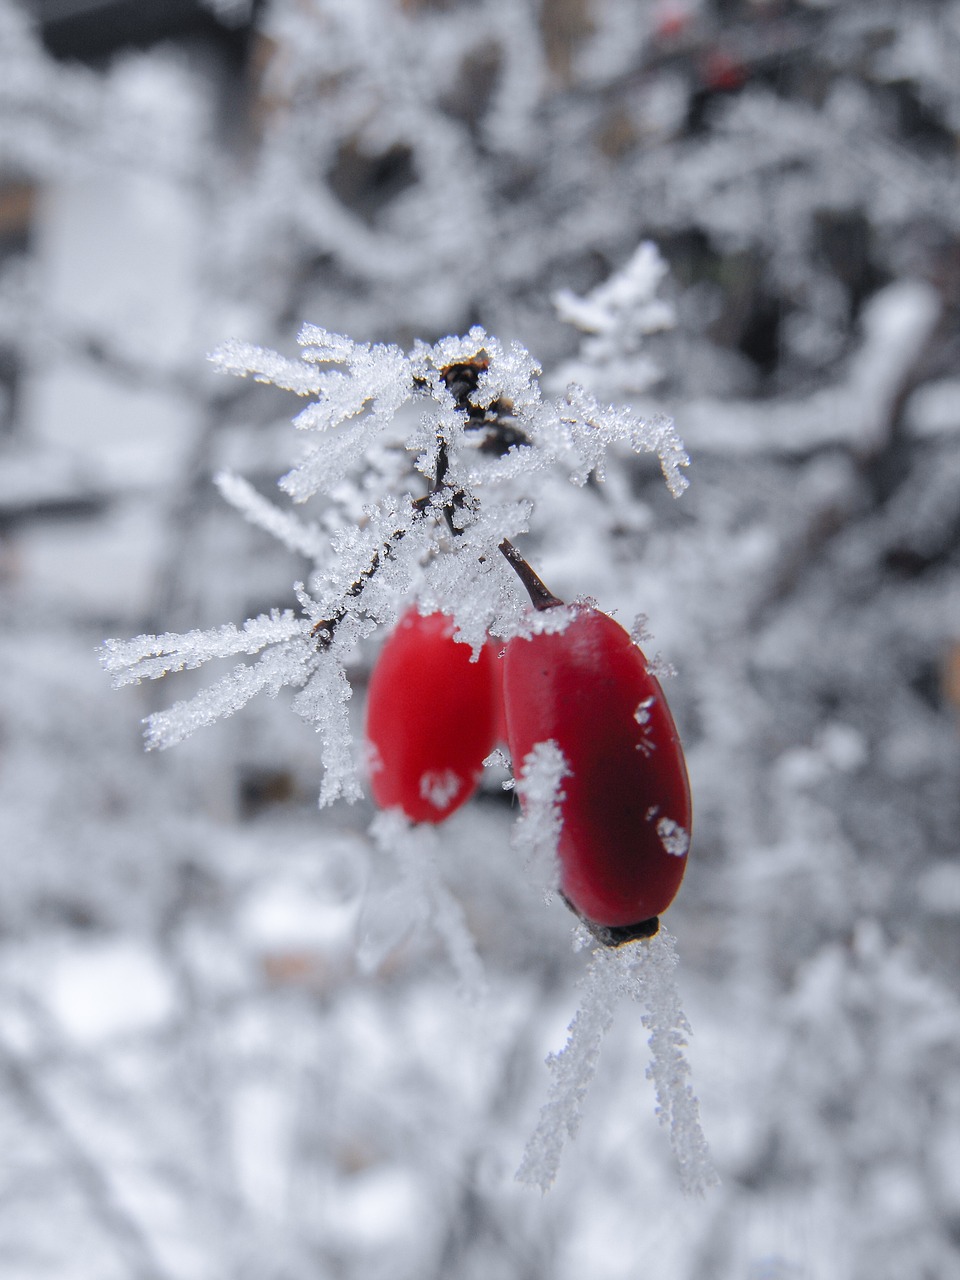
(541, 596)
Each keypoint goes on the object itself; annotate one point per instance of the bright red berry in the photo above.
(626, 798)
(432, 718)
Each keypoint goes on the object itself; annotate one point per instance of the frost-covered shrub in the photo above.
(299, 1087)
(424, 506)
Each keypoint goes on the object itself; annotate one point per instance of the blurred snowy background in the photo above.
(221, 1055)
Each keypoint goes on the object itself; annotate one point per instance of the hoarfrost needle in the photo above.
(643, 970)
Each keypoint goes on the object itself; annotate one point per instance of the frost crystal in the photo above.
(269, 673)
(425, 899)
(646, 745)
(640, 632)
(590, 429)
(439, 787)
(500, 759)
(305, 539)
(660, 668)
(324, 704)
(643, 970)
(674, 838)
(536, 832)
(149, 657)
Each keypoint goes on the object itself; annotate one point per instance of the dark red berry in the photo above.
(626, 799)
(722, 72)
(432, 718)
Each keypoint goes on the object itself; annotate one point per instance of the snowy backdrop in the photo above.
(244, 1036)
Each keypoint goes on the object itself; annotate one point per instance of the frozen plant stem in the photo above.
(484, 421)
(541, 596)
(323, 630)
(415, 849)
(644, 970)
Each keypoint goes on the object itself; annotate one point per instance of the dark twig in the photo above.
(323, 631)
(541, 596)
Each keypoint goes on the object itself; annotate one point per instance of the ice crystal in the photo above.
(640, 632)
(149, 657)
(423, 900)
(674, 838)
(642, 713)
(536, 832)
(660, 668)
(646, 745)
(305, 539)
(643, 970)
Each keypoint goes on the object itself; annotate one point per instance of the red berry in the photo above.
(432, 718)
(626, 798)
(722, 72)
(671, 22)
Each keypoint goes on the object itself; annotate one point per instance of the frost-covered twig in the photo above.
(425, 502)
(626, 303)
(300, 537)
(573, 1070)
(616, 318)
(856, 412)
(149, 657)
(24, 1085)
(643, 970)
(591, 429)
(415, 849)
(647, 975)
(269, 673)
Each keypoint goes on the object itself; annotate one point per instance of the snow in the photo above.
(934, 408)
(536, 833)
(114, 988)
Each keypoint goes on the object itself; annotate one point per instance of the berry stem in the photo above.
(541, 597)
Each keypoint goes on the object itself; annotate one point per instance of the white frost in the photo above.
(644, 970)
(425, 896)
(299, 536)
(674, 838)
(536, 832)
(368, 556)
(642, 713)
(439, 787)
